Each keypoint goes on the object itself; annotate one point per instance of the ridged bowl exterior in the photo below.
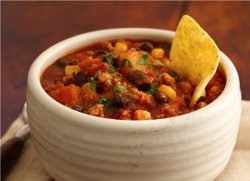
(75, 146)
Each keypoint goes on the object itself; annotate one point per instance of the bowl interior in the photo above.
(76, 42)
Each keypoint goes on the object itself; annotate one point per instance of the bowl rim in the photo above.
(52, 53)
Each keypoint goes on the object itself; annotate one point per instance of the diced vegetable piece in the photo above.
(68, 95)
(120, 47)
(130, 61)
(153, 73)
(71, 69)
(86, 64)
(141, 115)
(169, 91)
(97, 110)
(158, 53)
(101, 67)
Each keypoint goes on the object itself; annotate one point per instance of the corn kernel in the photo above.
(120, 47)
(158, 53)
(169, 91)
(71, 69)
(141, 115)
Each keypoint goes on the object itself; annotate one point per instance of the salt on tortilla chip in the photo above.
(194, 54)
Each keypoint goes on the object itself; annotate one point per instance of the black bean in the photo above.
(147, 46)
(120, 101)
(78, 108)
(62, 63)
(99, 52)
(160, 97)
(80, 78)
(99, 88)
(174, 74)
(140, 79)
(66, 61)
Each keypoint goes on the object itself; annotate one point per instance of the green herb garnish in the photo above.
(119, 88)
(107, 102)
(109, 61)
(110, 71)
(102, 100)
(158, 63)
(151, 67)
(123, 63)
(143, 60)
(156, 73)
(152, 88)
(92, 84)
(130, 64)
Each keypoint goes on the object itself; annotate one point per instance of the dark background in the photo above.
(28, 28)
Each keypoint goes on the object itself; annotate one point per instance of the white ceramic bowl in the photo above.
(76, 146)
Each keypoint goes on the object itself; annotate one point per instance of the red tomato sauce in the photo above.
(125, 79)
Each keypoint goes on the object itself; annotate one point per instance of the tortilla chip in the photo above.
(194, 54)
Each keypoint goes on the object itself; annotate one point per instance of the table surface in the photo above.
(28, 28)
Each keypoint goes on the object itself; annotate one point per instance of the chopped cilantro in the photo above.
(143, 60)
(123, 63)
(156, 73)
(119, 88)
(109, 61)
(102, 100)
(115, 56)
(130, 64)
(110, 58)
(110, 71)
(151, 67)
(158, 63)
(107, 102)
(152, 88)
(92, 84)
